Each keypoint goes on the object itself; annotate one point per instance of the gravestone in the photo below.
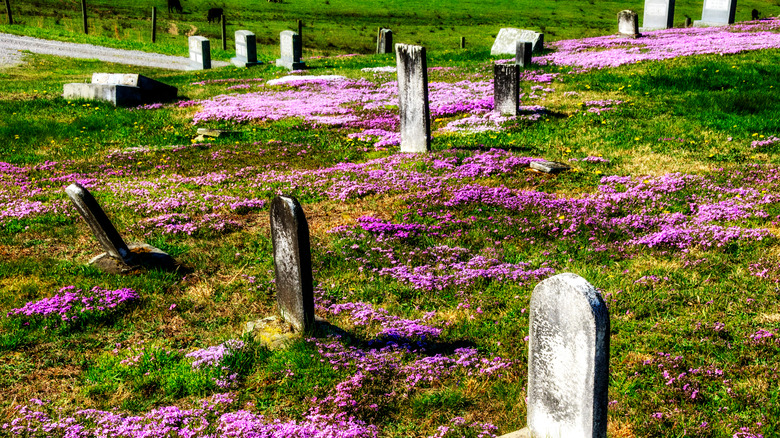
(659, 14)
(200, 53)
(121, 89)
(506, 41)
(506, 88)
(523, 54)
(119, 257)
(291, 48)
(292, 263)
(568, 359)
(628, 24)
(717, 13)
(246, 49)
(548, 166)
(384, 42)
(412, 68)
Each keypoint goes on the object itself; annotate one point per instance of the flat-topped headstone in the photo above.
(717, 13)
(506, 88)
(628, 23)
(292, 263)
(658, 14)
(506, 41)
(568, 359)
(384, 42)
(246, 49)
(412, 68)
(548, 166)
(523, 53)
(120, 89)
(291, 50)
(200, 52)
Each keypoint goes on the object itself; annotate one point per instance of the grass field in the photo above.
(423, 264)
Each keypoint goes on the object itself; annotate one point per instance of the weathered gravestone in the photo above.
(717, 13)
(506, 89)
(119, 257)
(291, 48)
(523, 53)
(121, 89)
(384, 41)
(506, 41)
(548, 166)
(200, 53)
(412, 68)
(659, 14)
(246, 49)
(292, 263)
(628, 23)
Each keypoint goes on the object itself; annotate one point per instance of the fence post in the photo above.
(462, 42)
(8, 10)
(300, 29)
(154, 24)
(84, 15)
(224, 40)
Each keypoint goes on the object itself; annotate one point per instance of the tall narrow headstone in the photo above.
(412, 67)
(246, 49)
(717, 13)
(506, 88)
(659, 14)
(628, 23)
(523, 53)
(292, 263)
(98, 222)
(568, 360)
(384, 43)
(291, 48)
(200, 53)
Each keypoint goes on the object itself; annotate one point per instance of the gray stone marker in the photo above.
(506, 41)
(200, 53)
(523, 53)
(246, 49)
(717, 13)
(568, 359)
(548, 166)
(506, 89)
(628, 23)
(384, 43)
(659, 14)
(291, 48)
(119, 257)
(412, 67)
(292, 263)
(121, 89)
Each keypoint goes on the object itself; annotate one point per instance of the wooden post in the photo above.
(8, 10)
(462, 42)
(84, 15)
(300, 29)
(224, 41)
(154, 24)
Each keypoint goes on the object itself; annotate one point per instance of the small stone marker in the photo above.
(246, 49)
(717, 13)
(292, 263)
(506, 88)
(659, 14)
(523, 53)
(412, 68)
(121, 89)
(200, 53)
(384, 43)
(568, 359)
(506, 41)
(628, 23)
(688, 22)
(291, 48)
(548, 166)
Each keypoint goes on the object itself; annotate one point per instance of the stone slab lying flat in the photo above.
(549, 166)
(506, 41)
(153, 91)
(288, 79)
(121, 89)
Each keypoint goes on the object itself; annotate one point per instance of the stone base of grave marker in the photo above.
(290, 65)
(506, 41)
(548, 166)
(141, 256)
(121, 89)
(239, 62)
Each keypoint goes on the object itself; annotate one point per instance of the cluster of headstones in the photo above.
(659, 14)
(246, 51)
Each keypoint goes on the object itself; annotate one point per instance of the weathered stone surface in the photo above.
(150, 90)
(384, 43)
(659, 14)
(506, 88)
(412, 67)
(717, 13)
(200, 52)
(523, 53)
(102, 228)
(270, 332)
(292, 263)
(141, 256)
(628, 23)
(216, 133)
(291, 50)
(308, 78)
(506, 41)
(568, 359)
(246, 49)
(522, 433)
(549, 166)
(117, 95)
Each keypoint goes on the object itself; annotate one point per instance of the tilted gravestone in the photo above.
(119, 257)
(659, 14)
(384, 42)
(200, 53)
(506, 89)
(506, 41)
(412, 67)
(717, 13)
(628, 23)
(291, 48)
(121, 89)
(292, 263)
(523, 53)
(246, 49)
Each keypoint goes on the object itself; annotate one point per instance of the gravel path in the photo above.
(12, 45)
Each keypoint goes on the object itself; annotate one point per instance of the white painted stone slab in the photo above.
(288, 79)
(413, 98)
(506, 41)
(717, 13)
(658, 14)
(200, 52)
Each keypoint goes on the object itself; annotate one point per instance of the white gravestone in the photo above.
(291, 48)
(659, 14)
(506, 41)
(717, 13)
(246, 49)
(384, 43)
(506, 88)
(523, 54)
(200, 53)
(412, 68)
(628, 23)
